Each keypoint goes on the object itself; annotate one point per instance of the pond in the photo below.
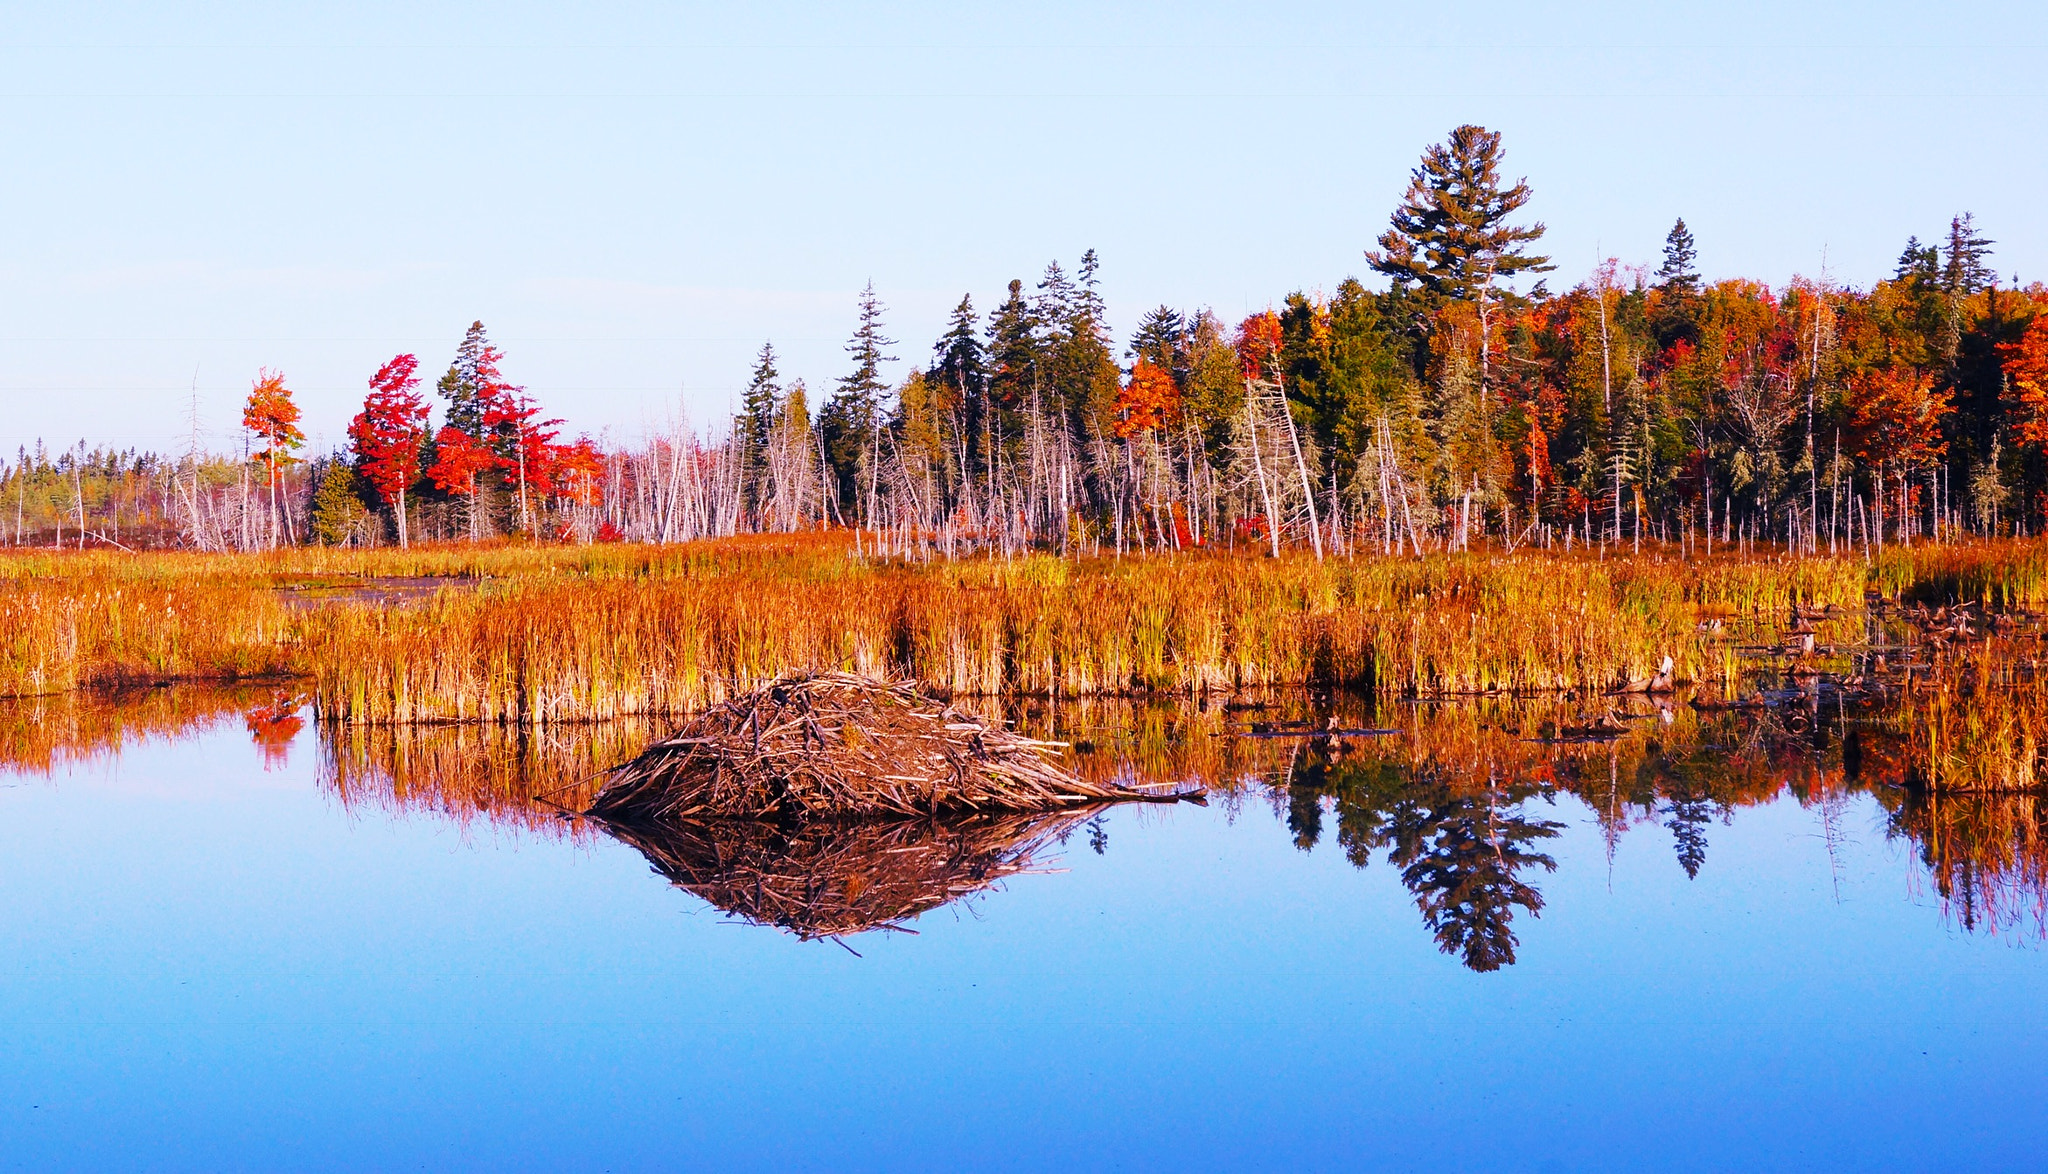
(237, 940)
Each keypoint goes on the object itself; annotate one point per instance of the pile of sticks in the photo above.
(835, 745)
(831, 879)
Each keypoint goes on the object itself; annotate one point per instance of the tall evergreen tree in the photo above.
(1013, 347)
(1919, 263)
(1450, 234)
(762, 399)
(1964, 269)
(1161, 340)
(463, 386)
(958, 360)
(1677, 274)
(852, 419)
(1087, 292)
(759, 405)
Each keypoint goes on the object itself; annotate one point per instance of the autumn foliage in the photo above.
(390, 431)
(1149, 400)
(1897, 412)
(2025, 361)
(1258, 343)
(458, 461)
(272, 416)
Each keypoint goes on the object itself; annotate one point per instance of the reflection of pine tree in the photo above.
(1686, 814)
(1098, 835)
(1459, 855)
(1305, 816)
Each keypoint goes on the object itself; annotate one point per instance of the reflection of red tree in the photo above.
(273, 727)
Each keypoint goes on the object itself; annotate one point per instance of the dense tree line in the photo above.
(1449, 408)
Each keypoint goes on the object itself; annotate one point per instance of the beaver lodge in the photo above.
(834, 746)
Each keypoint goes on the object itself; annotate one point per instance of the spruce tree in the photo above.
(1920, 264)
(1087, 297)
(1161, 340)
(1676, 274)
(851, 419)
(761, 400)
(1964, 270)
(462, 386)
(1054, 306)
(1013, 347)
(958, 360)
(1450, 235)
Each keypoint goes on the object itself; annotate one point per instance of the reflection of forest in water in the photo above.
(1458, 799)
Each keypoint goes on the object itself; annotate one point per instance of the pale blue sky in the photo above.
(633, 197)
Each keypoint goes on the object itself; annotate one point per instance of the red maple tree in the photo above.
(389, 433)
(459, 459)
(526, 447)
(1258, 342)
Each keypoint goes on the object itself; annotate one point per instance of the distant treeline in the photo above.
(1448, 410)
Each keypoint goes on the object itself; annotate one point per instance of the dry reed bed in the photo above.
(575, 634)
(593, 649)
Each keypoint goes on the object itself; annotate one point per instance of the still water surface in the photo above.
(213, 958)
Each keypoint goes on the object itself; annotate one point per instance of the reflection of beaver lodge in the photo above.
(828, 879)
(831, 804)
(836, 745)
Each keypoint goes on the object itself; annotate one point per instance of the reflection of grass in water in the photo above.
(41, 734)
(507, 775)
(1479, 761)
(1986, 853)
(1975, 721)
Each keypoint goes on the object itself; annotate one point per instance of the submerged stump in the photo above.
(836, 745)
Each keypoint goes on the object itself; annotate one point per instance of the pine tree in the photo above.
(1087, 295)
(754, 425)
(462, 385)
(337, 511)
(958, 360)
(1919, 263)
(1161, 340)
(1013, 347)
(1676, 274)
(1450, 236)
(1964, 270)
(853, 418)
(761, 400)
(865, 386)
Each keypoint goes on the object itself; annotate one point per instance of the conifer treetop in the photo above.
(1450, 234)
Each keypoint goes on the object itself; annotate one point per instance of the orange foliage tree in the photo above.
(1149, 400)
(2025, 361)
(274, 419)
(1897, 413)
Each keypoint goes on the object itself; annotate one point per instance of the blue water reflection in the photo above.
(211, 962)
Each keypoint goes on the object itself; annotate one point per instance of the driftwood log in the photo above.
(835, 745)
